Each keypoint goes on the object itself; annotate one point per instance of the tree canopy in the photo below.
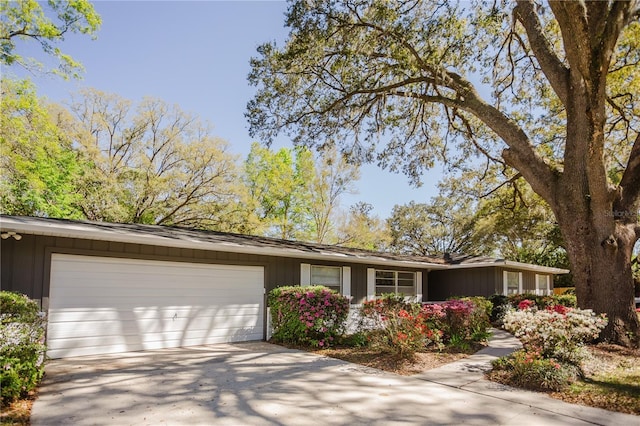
(47, 24)
(548, 90)
(38, 165)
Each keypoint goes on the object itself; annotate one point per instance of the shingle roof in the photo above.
(207, 240)
(238, 243)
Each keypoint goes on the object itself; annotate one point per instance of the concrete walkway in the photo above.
(258, 383)
(469, 370)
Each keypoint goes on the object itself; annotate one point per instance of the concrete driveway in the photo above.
(258, 383)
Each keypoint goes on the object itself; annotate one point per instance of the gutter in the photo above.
(83, 231)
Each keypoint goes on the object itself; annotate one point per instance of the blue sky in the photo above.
(196, 54)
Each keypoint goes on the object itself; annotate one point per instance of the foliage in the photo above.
(362, 230)
(278, 184)
(403, 327)
(395, 83)
(28, 20)
(500, 306)
(555, 332)
(445, 225)
(407, 327)
(542, 302)
(333, 177)
(530, 370)
(22, 347)
(154, 164)
(295, 195)
(313, 315)
(38, 165)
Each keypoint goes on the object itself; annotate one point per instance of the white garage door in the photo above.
(103, 305)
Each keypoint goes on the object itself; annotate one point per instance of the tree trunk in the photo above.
(602, 274)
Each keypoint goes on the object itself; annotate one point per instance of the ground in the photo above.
(612, 373)
(612, 377)
(420, 362)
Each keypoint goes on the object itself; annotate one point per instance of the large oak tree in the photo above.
(549, 90)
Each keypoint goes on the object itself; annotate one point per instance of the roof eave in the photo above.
(83, 231)
(512, 264)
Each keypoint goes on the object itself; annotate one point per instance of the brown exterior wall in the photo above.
(463, 282)
(26, 263)
(485, 282)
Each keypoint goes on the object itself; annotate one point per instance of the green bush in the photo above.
(500, 306)
(543, 302)
(405, 327)
(22, 329)
(400, 326)
(312, 315)
(530, 370)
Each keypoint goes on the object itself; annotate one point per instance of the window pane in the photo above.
(406, 282)
(407, 291)
(542, 282)
(328, 276)
(395, 282)
(385, 275)
(380, 290)
(513, 282)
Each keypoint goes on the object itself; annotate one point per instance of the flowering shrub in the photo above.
(542, 302)
(405, 327)
(307, 315)
(22, 328)
(530, 370)
(556, 332)
(465, 321)
(401, 326)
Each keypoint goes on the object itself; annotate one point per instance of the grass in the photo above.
(612, 380)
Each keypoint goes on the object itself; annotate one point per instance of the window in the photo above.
(395, 282)
(328, 276)
(542, 285)
(512, 282)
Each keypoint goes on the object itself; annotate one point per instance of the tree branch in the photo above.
(629, 188)
(552, 66)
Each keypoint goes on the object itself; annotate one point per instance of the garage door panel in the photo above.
(102, 314)
(86, 328)
(130, 298)
(107, 305)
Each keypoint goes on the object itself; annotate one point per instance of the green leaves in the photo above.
(38, 164)
(46, 24)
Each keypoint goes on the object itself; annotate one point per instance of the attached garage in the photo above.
(101, 305)
(114, 287)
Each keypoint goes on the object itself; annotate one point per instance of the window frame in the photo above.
(546, 291)
(396, 279)
(505, 282)
(340, 277)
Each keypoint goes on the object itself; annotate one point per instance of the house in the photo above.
(111, 288)
(485, 276)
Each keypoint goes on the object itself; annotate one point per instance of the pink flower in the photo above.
(526, 304)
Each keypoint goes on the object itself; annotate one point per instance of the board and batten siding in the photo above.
(444, 284)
